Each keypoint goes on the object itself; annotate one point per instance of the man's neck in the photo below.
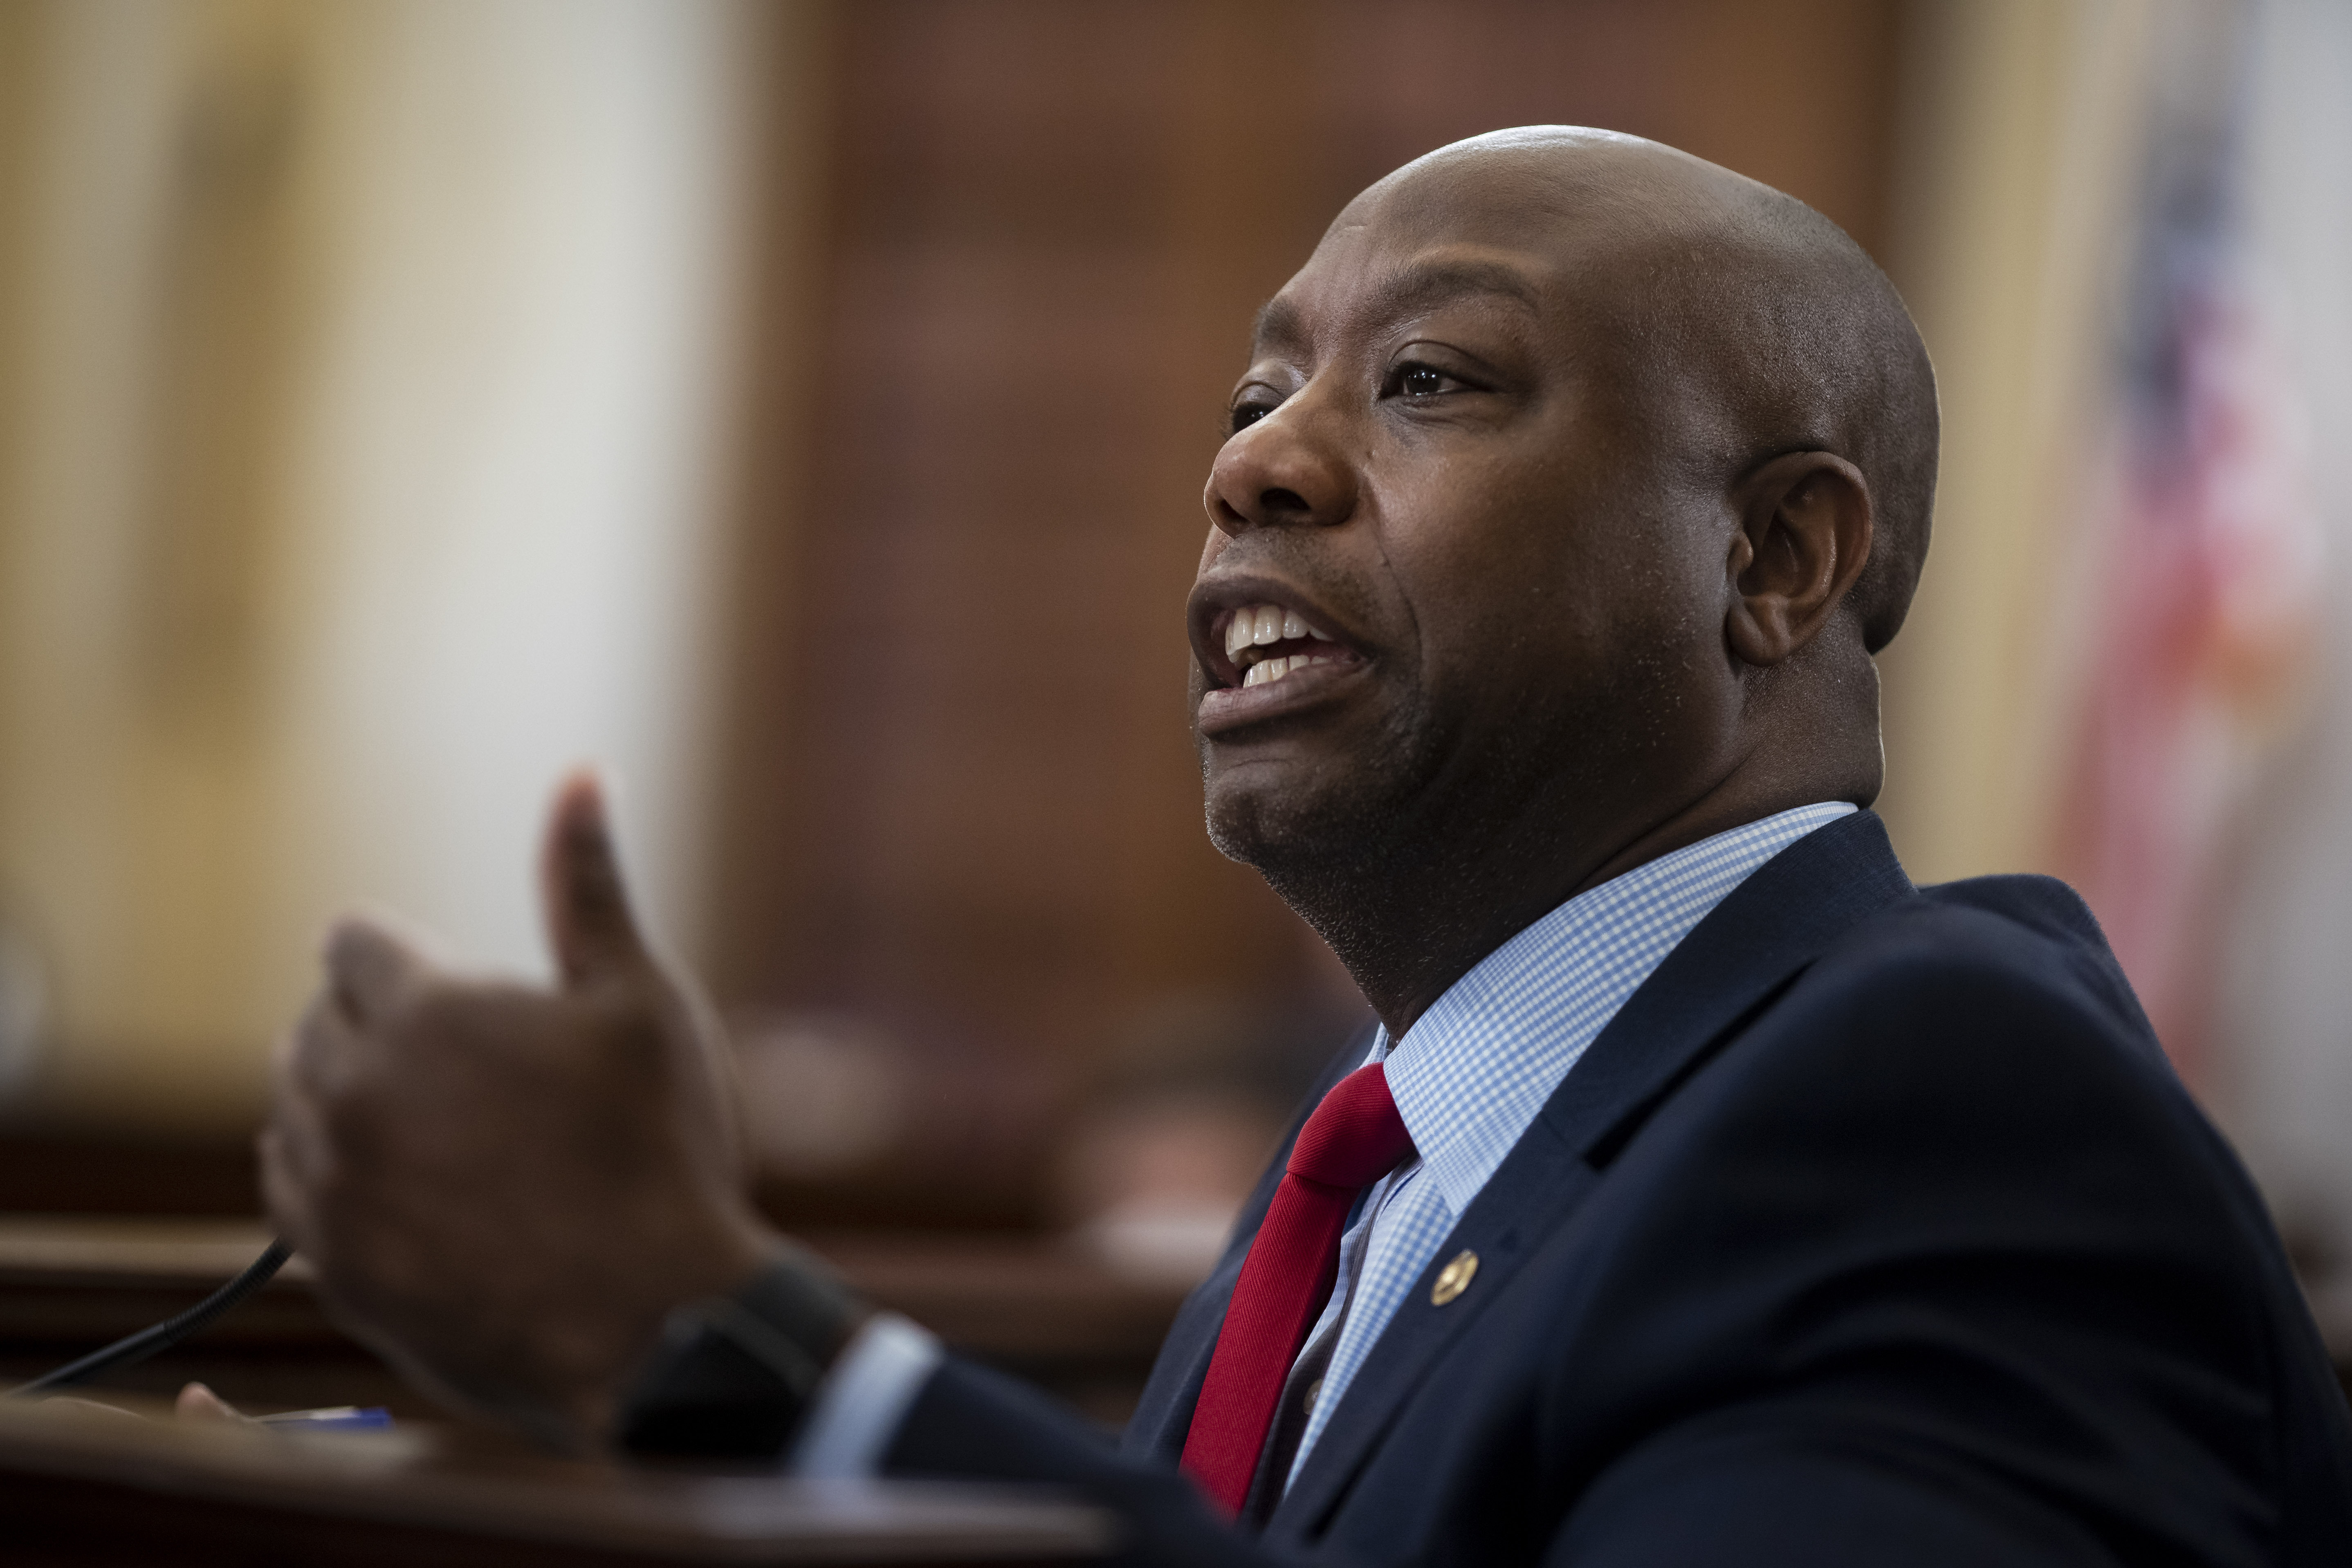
(1408, 924)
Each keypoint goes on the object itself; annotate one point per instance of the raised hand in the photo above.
(505, 1188)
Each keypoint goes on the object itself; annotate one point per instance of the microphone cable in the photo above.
(163, 1336)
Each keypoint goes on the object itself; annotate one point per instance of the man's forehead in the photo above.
(1515, 226)
(1390, 288)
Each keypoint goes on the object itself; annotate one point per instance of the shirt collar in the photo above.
(1473, 1070)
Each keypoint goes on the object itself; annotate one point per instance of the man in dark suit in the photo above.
(1709, 1193)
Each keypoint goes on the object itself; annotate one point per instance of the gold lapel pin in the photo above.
(1454, 1278)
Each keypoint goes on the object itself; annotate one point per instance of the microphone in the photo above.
(163, 1336)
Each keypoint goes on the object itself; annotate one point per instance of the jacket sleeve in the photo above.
(972, 1423)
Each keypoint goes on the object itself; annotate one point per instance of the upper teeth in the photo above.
(1256, 626)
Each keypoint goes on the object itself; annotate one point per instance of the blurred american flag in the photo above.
(2205, 556)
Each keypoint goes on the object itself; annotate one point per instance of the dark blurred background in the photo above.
(801, 409)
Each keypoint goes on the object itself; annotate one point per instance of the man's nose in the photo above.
(1286, 471)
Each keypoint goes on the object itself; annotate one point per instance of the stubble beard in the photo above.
(1339, 855)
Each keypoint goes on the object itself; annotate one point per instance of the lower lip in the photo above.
(1228, 708)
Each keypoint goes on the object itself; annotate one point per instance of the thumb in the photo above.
(587, 910)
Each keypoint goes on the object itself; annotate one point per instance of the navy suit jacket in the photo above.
(1874, 1228)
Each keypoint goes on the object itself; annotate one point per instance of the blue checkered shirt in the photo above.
(1473, 1070)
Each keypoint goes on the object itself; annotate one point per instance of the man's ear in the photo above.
(1805, 533)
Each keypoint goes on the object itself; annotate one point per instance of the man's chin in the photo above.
(1305, 812)
(1284, 830)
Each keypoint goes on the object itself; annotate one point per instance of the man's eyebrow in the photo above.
(1279, 326)
(1405, 292)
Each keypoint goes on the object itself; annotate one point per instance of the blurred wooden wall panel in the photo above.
(982, 809)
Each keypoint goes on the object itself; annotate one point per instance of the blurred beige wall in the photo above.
(367, 409)
(2020, 151)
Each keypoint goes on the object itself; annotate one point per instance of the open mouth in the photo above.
(1266, 644)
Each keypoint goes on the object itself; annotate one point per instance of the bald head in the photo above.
(1741, 317)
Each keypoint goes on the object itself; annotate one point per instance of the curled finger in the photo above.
(369, 967)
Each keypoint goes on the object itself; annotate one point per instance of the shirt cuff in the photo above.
(864, 1398)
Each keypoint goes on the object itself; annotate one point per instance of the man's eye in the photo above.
(1410, 380)
(1248, 414)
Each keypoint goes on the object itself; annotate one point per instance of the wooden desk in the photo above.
(68, 1285)
(86, 1487)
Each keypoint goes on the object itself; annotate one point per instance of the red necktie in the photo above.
(1354, 1137)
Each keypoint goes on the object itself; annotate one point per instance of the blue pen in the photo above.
(334, 1419)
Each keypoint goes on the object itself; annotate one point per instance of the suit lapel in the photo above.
(1747, 950)
(1775, 923)
(1164, 1414)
